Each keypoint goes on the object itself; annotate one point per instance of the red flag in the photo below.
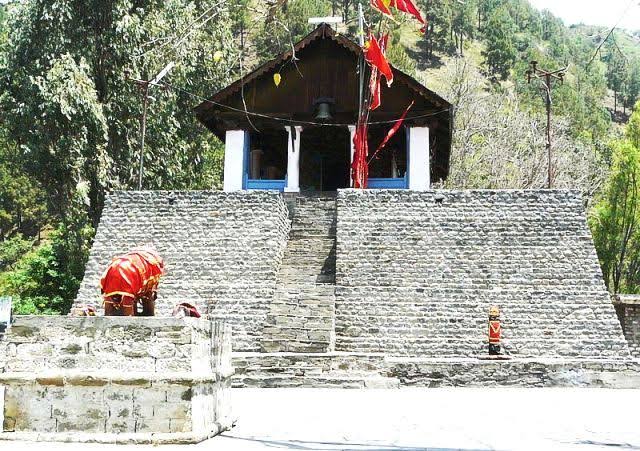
(359, 167)
(407, 6)
(374, 55)
(382, 6)
(392, 131)
(374, 88)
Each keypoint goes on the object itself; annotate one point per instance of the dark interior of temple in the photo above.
(391, 161)
(325, 156)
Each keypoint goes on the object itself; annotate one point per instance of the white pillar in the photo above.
(352, 146)
(293, 159)
(419, 159)
(234, 153)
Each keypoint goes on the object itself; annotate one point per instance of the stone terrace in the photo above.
(383, 287)
(417, 272)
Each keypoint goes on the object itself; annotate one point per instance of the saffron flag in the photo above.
(407, 6)
(382, 6)
(374, 55)
(392, 131)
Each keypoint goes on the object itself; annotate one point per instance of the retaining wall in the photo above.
(417, 272)
(115, 379)
(222, 251)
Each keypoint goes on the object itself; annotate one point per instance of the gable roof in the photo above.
(323, 31)
(332, 53)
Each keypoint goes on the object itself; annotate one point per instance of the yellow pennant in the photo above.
(276, 79)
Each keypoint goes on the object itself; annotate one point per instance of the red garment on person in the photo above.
(494, 332)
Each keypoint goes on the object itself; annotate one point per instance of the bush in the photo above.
(44, 281)
(12, 250)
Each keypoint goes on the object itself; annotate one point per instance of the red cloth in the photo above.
(494, 332)
(381, 6)
(359, 167)
(133, 274)
(407, 6)
(187, 309)
(374, 54)
(121, 278)
(374, 89)
(392, 131)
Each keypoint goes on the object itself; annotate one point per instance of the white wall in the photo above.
(419, 159)
(352, 133)
(293, 159)
(234, 144)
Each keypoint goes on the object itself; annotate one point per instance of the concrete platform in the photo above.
(411, 419)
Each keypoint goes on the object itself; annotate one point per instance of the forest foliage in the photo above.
(70, 112)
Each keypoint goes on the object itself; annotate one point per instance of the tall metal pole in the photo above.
(548, 104)
(145, 85)
(548, 77)
(361, 59)
(143, 132)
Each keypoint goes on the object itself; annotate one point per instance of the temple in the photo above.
(299, 134)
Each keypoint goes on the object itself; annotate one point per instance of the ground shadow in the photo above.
(342, 446)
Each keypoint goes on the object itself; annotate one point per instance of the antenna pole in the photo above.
(144, 86)
(547, 77)
(143, 131)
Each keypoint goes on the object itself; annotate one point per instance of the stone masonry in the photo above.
(222, 251)
(302, 313)
(138, 380)
(628, 310)
(417, 272)
(383, 288)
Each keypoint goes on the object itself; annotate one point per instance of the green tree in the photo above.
(616, 70)
(632, 85)
(485, 9)
(500, 53)
(616, 216)
(22, 201)
(439, 33)
(463, 23)
(68, 102)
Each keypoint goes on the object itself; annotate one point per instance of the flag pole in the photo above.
(361, 60)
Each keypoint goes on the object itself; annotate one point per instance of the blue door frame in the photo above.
(373, 183)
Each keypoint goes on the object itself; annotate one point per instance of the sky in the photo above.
(594, 12)
(590, 12)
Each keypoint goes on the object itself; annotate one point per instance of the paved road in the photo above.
(418, 419)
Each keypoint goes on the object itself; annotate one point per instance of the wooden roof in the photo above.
(326, 66)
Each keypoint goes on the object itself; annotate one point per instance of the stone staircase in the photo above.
(302, 314)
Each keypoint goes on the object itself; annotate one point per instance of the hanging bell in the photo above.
(323, 109)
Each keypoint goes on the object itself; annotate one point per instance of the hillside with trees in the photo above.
(70, 112)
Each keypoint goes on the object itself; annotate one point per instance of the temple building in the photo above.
(298, 135)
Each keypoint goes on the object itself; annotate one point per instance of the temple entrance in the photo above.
(325, 158)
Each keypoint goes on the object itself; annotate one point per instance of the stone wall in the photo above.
(417, 272)
(111, 379)
(222, 251)
(628, 310)
(375, 370)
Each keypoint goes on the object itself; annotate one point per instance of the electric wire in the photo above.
(631, 4)
(288, 120)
